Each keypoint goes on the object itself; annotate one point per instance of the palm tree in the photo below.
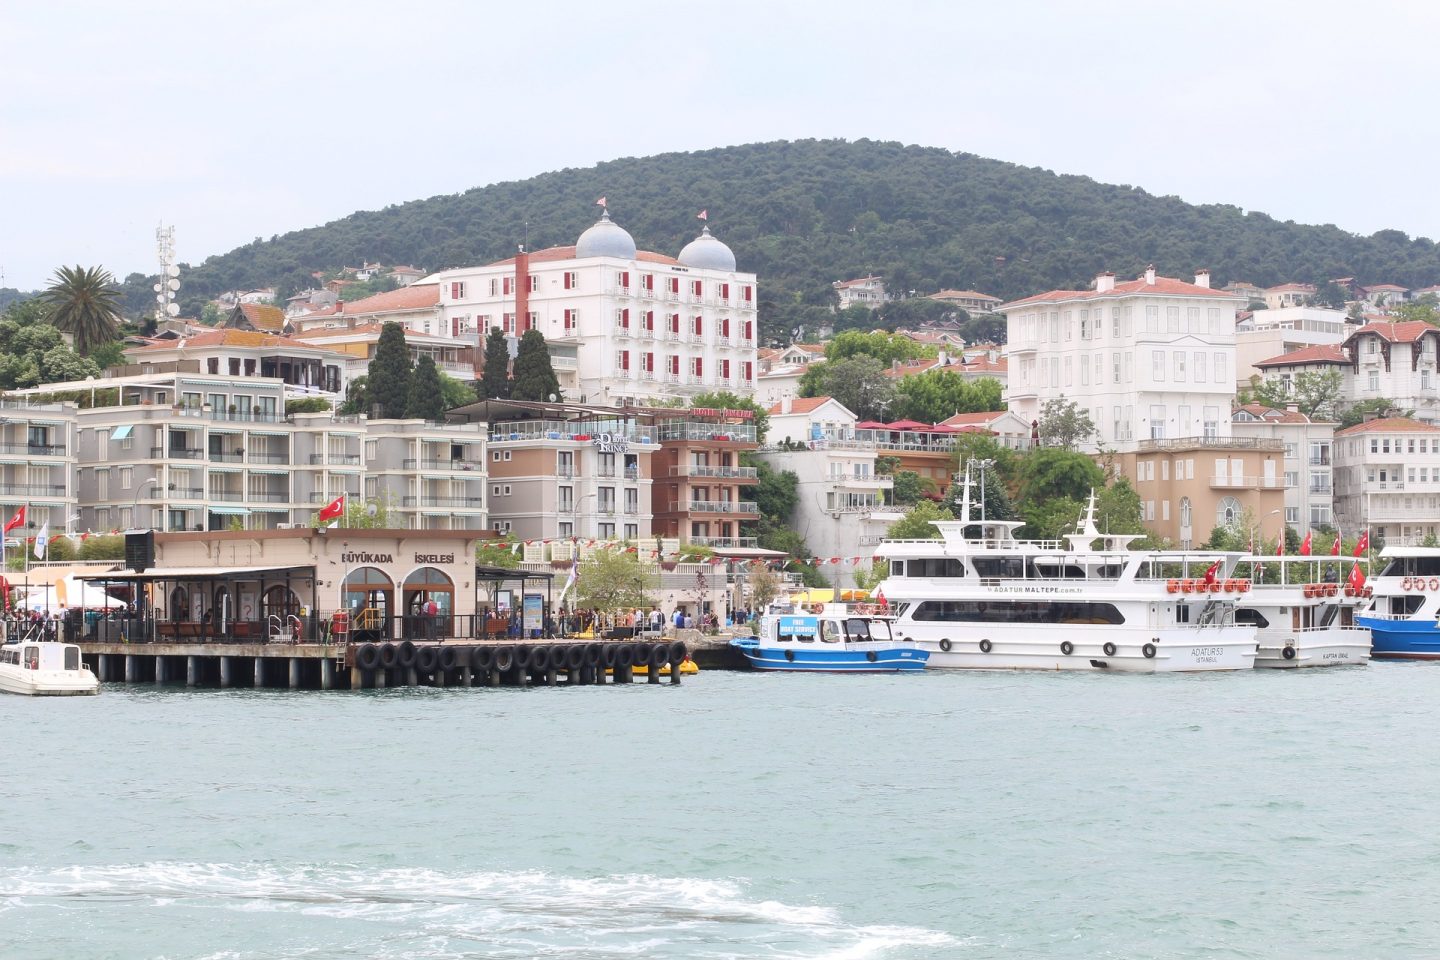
(83, 301)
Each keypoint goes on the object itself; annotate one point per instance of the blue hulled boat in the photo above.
(838, 640)
(1402, 616)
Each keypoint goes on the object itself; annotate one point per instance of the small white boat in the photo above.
(38, 668)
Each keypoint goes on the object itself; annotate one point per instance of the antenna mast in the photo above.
(169, 282)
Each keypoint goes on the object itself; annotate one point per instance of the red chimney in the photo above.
(522, 291)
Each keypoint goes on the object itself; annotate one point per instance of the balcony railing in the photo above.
(474, 503)
(1212, 443)
(32, 489)
(1233, 482)
(463, 465)
(327, 497)
(227, 496)
(623, 331)
(270, 497)
(176, 453)
(269, 458)
(690, 430)
(714, 506)
(335, 459)
(33, 449)
(565, 471)
(705, 470)
(218, 457)
(187, 493)
(724, 542)
(695, 338)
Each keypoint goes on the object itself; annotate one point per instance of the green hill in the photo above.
(802, 214)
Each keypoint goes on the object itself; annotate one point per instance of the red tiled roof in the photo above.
(1324, 353)
(415, 297)
(1271, 415)
(982, 419)
(988, 366)
(800, 405)
(233, 338)
(1389, 425)
(855, 282)
(911, 367)
(1163, 286)
(1396, 331)
(568, 253)
(262, 316)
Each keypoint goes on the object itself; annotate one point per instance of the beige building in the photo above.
(1189, 486)
(37, 444)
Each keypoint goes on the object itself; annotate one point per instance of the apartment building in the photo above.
(453, 356)
(971, 301)
(843, 509)
(194, 451)
(1288, 295)
(1398, 361)
(1270, 333)
(699, 476)
(1148, 359)
(558, 470)
(1309, 460)
(640, 325)
(1387, 480)
(37, 443)
(303, 367)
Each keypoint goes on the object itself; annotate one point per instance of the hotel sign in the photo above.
(611, 443)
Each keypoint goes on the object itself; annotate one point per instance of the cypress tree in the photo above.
(427, 398)
(495, 383)
(534, 376)
(388, 381)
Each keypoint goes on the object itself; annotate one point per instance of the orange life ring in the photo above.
(1216, 586)
(1309, 589)
(1187, 585)
(1244, 585)
(1405, 584)
(1434, 584)
(1172, 586)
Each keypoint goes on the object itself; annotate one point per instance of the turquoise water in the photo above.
(1265, 815)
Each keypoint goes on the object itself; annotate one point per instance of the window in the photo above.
(102, 484)
(748, 369)
(1227, 513)
(622, 280)
(1067, 326)
(1152, 319)
(457, 290)
(1172, 319)
(494, 286)
(1213, 319)
(1085, 324)
(1021, 611)
(622, 319)
(1157, 366)
(1069, 379)
(1157, 422)
(1218, 370)
(1186, 511)
(1085, 370)
(749, 331)
(648, 322)
(1211, 425)
(1179, 366)
(572, 280)
(1292, 515)
(1373, 382)
(1199, 368)
(534, 283)
(572, 319)
(607, 531)
(697, 287)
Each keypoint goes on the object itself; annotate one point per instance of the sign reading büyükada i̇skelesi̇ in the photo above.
(367, 557)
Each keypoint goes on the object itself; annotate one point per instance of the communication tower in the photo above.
(169, 283)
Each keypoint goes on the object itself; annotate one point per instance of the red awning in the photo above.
(907, 425)
(871, 425)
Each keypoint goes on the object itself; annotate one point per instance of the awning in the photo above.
(230, 511)
(275, 470)
(218, 469)
(197, 573)
(267, 433)
(270, 509)
(120, 433)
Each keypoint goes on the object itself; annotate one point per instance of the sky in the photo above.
(252, 118)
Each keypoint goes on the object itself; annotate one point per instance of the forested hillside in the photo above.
(802, 214)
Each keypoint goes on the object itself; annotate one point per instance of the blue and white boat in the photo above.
(836, 640)
(1402, 615)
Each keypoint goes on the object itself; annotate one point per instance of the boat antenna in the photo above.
(1086, 524)
(965, 494)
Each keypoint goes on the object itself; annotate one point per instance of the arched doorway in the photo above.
(366, 595)
(422, 585)
(280, 602)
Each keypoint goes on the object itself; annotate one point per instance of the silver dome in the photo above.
(605, 239)
(707, 253)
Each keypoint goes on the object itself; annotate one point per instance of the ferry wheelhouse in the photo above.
(837, 639)
(1305, 618)
(1404, 614)
(978, 598)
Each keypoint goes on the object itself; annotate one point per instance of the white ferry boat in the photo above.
(1303, 620)
(39, 668)
(990, 601)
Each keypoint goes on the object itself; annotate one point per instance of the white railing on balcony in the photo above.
(1248, 482)
(708, 470)
(724, 542)
(714, 506)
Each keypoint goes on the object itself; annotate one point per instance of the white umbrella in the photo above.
(68, 594)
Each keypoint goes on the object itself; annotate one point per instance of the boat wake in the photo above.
(393, 913)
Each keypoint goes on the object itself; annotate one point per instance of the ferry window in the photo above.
(1405, 605)
(1018, 611)
(1182, 613)
(937, 567)
(72, 658)
(858, 629)
(1252, 617)
(32, 658)
(827, 632)
(1412, 567)
(995, 568)
(897, 568)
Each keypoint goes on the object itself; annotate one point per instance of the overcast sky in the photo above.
(247, 119)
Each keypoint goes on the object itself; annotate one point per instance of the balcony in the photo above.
(1212, 443)
(714, 506)
(647, 374)
(692, 430)
(32, 489)
(227, 496)
(568, 472)
(719, 473)
(187, 493)
(1233, 482)
(218, 457)
(335, 459)
(32, 449)
(327, 497)
(695, 338)
(527, 430)
(672, 378)
(474, 503)
(623, 331)
(728, 543)
(269, 497)
(280, 458)
(672, 336)
(176, 453)
(458, 465)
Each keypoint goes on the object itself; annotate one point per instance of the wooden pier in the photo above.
(317, 666)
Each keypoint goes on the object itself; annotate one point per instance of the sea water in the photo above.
(977, 815)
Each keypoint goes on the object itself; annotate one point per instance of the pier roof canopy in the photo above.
(199, 573)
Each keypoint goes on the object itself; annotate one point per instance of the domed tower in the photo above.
(605, 239)
(707, 253)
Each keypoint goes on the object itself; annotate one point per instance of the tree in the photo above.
(534, 376)
(34, 352)
(939, 393)
(105, 547)
(83, 304)
(427, 397)
(108, 355)
(775, 492)
(858, 382)
(499, 552)
(909, 487)
(1376, 407)
(1417, 310)
(457, 393)
(885, 347)
(389, 375)
(1117, 509)
(868, 578)
(363, 514)
(611, 581)
(1317, 395)
(357, 397)
(764, 585)
(495, 383)
(1329, 294)
(306, 405)
(1064, 425)
(725, 400)
(916, 524)
(1053, 473)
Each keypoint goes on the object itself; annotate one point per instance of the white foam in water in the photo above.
(419, 912)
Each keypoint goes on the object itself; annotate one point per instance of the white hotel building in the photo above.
(624, 325)
(1149, 359)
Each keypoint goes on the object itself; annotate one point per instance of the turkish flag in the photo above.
(1357, 577)
(1362, 544)
(1305, 545)
(17, 520)
(333, 510)
(880, 599)
(1335, 547)
(1213, 572)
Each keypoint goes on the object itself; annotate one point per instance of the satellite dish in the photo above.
(172, 270)
(173, 309)
(372, 508)
(156, 288)
(159, 298)
(173, 284)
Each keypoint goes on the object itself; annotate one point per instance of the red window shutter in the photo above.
(749, 371)
(749, 328)
(699, 325)
(725, 291)
(699, 366)
(625, 359)
(625, 319)
(505, 286)
(567, 280)
(649, 319)
(674, 364)
(649, 281)
(724, 326)
(749, 293)
(625, 278)
(675, 322)
(674, 284)
(724, 369)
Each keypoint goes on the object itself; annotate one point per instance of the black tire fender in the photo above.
(482, 658)
(790, 655)
(870, 655)
(609, 654)
(1109, 649)
(985, 646)
(405, 654)
(522, 656)
(1066, 647)
(503, 658)
(1288, 653)
(1148, 650)
(367, 657)
(678, 651)
(659, 655)
(540, 659)
(945, 644)
(449, 658)
(388, 654)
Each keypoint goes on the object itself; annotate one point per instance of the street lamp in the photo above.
(135, 504)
